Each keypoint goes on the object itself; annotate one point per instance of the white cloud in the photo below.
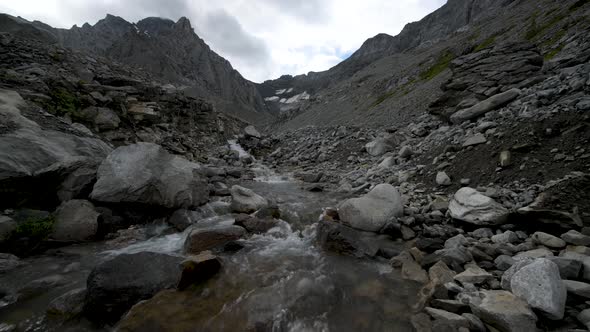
(263, 39)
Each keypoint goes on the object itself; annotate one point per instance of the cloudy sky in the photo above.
(263, 39)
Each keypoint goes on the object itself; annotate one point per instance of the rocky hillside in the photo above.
(389, 80)
(171, 51)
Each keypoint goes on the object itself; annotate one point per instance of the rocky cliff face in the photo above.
(173, 53)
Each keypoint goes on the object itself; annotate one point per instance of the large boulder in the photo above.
(116, 285)
(471, 206)
(207, 238)
(196, 269)
(485, 106)
(372, 211)
(46, 152)
(244, 200)
(145, 173)
(383, 144)
(504, 311)
(75, 220)
(540, 284)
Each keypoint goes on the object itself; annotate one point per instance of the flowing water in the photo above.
(279, 281)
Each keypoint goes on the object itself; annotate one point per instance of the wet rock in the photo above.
(442, 179)
(41, 286)
(577, 288)
(78, 184)
(503, 310)
(485, 106)
(75, 220)
(201, 239)
(245, 200)
(539, 283)
(181, 219)
(69, 304)
(8, 262)
(372, 211)
(341, 239)
(7, 226)
(254, 224)
(197, 269)
(411, 270)
(145, 173)
(473, 207)
(548, 240)
(117, 284)
(576, 238)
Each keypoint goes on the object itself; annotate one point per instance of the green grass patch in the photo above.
(551, 54)
(38, 229)
(486, 43)
(555, 38)
(578, 5)
(536, 29)
(383, 98)
(438, 67)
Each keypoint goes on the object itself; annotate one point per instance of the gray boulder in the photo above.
(341, 239)
(442, 179)
(69, 304)
(197, 269)
(548, 240)
(383, 144)
(540, 284)
(471, 206)
(576, 238)
(117, 284)
(46, 152)
(207, 238)
(75, 220)
(372, 211)
(146, 173)
(485, 106)
(251, 131)
(568, 268)
(504, 311)
(244, 200)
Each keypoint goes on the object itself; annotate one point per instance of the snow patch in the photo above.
(273, 98)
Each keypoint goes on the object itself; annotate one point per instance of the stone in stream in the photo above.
(540, 284)
(197, 269)
(214, 237)
(117, 284)
(145, 173)
(75, 220)
(336, 237)
(255, 224)
(471, 206)
(503, 311)
(245, 200)
(69, 304)
(372, 211)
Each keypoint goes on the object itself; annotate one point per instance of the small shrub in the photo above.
(62, 102)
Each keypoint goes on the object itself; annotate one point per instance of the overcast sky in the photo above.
(263, 39)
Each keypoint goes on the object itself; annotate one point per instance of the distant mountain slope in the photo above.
(169, 50)
(390, 79)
